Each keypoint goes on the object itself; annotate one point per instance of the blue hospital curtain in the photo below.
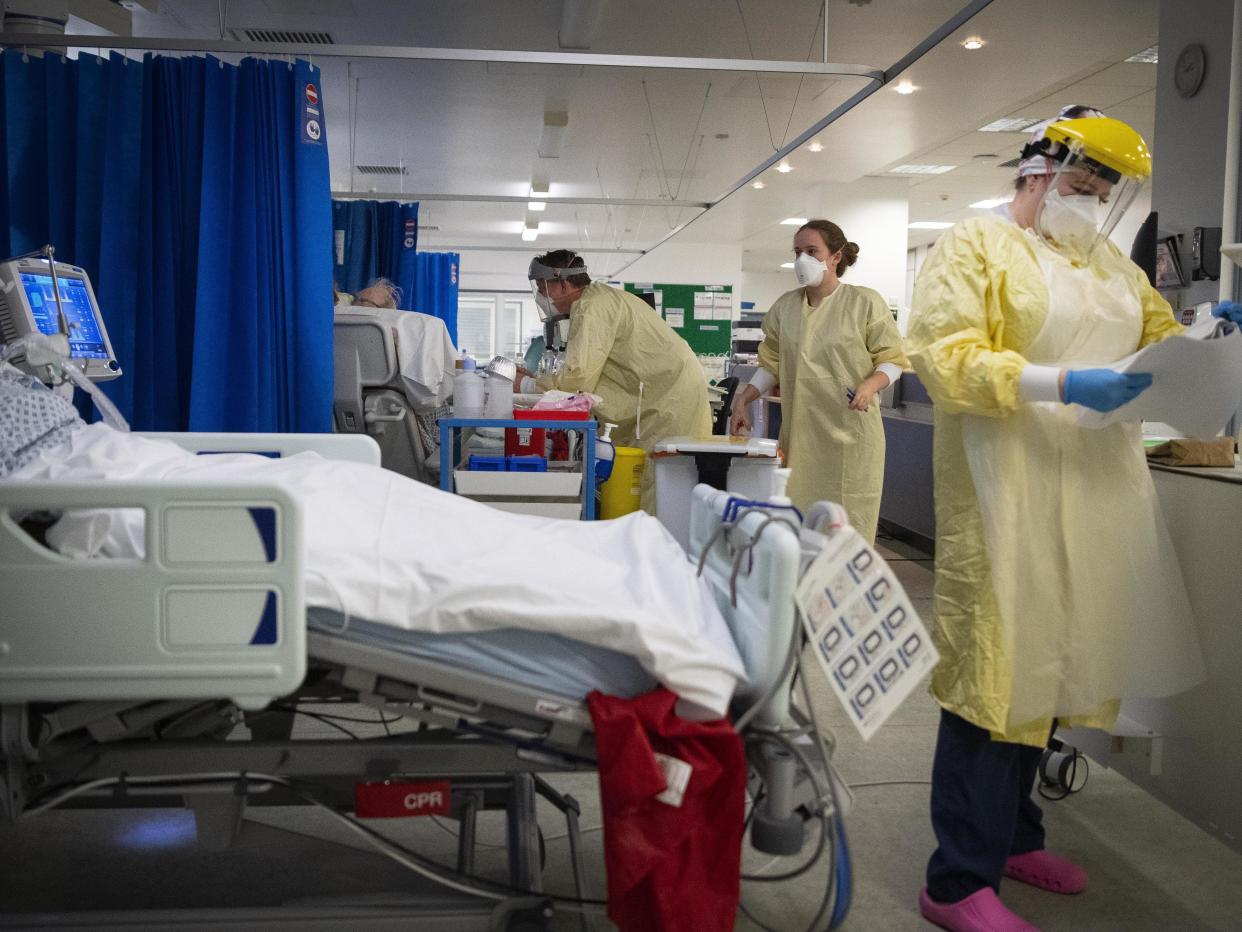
(375, 239)
(196, 196)
(435, 287)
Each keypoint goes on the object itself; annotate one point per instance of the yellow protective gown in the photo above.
(816, 353)
(981, 301)
(617, 342)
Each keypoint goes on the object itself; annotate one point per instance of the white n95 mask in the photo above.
(1071, 220)
(808, 270)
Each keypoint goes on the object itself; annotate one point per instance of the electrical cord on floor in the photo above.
(841, 874)
(827, 839)
(456, 834)
(426, 867)
(864, 786)
(1059, 769)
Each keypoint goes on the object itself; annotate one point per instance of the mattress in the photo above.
(551, 663)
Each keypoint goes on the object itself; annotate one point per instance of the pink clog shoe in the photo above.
(982, 911)
(1047, 871)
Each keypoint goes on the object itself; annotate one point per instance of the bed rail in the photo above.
(220, 581)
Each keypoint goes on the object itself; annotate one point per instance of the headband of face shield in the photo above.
(538, 272)
(1035, 155)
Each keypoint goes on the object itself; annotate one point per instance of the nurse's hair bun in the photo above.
(849, 255)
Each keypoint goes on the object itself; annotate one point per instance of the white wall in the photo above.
(688, 264)
(672, 264)
(872, 212)
(875, 217)
(765, 287)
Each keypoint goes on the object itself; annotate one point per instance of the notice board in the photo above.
(701, 314)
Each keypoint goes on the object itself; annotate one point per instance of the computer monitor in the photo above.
(28, 305)
(1169, 273)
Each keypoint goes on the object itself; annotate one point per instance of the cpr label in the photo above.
(400, 799)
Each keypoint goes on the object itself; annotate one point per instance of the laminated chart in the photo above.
(870, 643)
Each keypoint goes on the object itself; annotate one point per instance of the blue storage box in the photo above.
(487, 463)
(527, 463)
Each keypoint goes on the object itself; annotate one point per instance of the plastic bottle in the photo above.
(605, 453)
(780, 479)
(468, 389)
(499, 402)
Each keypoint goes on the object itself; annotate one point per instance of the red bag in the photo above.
(670, 867)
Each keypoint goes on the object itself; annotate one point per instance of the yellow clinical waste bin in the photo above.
(622, 493)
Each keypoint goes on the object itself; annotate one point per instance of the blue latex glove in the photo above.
(1104, 389)
(1230, 311)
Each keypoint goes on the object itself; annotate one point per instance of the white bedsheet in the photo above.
(390, 550)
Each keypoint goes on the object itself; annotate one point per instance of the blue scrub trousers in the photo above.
(981, 809)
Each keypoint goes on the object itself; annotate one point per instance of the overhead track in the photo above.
(510, 199)
(412, 53)
(528, 249)
(946, 29)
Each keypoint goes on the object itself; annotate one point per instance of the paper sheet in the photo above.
(868, 639)
(703, 299)
(675, 316)
(1196, 381)
(703, 312)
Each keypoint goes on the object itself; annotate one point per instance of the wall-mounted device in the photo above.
(1170, 274)
(1205, 254)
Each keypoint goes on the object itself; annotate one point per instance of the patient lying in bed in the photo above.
(389, 550)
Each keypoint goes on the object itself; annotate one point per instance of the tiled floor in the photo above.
(1150, 869)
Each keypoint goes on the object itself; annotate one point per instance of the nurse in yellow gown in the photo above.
(651, 383)
(1056, 590)
(831, 347)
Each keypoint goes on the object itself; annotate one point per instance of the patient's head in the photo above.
(380, 293)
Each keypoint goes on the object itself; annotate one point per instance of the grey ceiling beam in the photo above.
(533, 250)
(512, 199)
(934, 38)
(413, 53)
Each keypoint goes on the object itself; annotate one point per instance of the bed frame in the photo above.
(161, 694)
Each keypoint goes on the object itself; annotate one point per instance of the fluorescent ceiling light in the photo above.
(793, 221)
(530, 230)
(784, 168)
(929, 225)
(816, 146)
(538, 189)
(921, 169)
(906, 86)
(1009, 125)
(758, 185)
(555, 123)
(1146, 57)
(990, 202)
(973, 42)
(787, 265)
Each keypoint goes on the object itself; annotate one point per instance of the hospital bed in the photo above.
(210, 626)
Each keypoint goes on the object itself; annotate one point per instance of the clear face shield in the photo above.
(1084, 202)
(555, 323)
(541, 276)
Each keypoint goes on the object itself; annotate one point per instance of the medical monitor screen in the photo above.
(85, 339)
